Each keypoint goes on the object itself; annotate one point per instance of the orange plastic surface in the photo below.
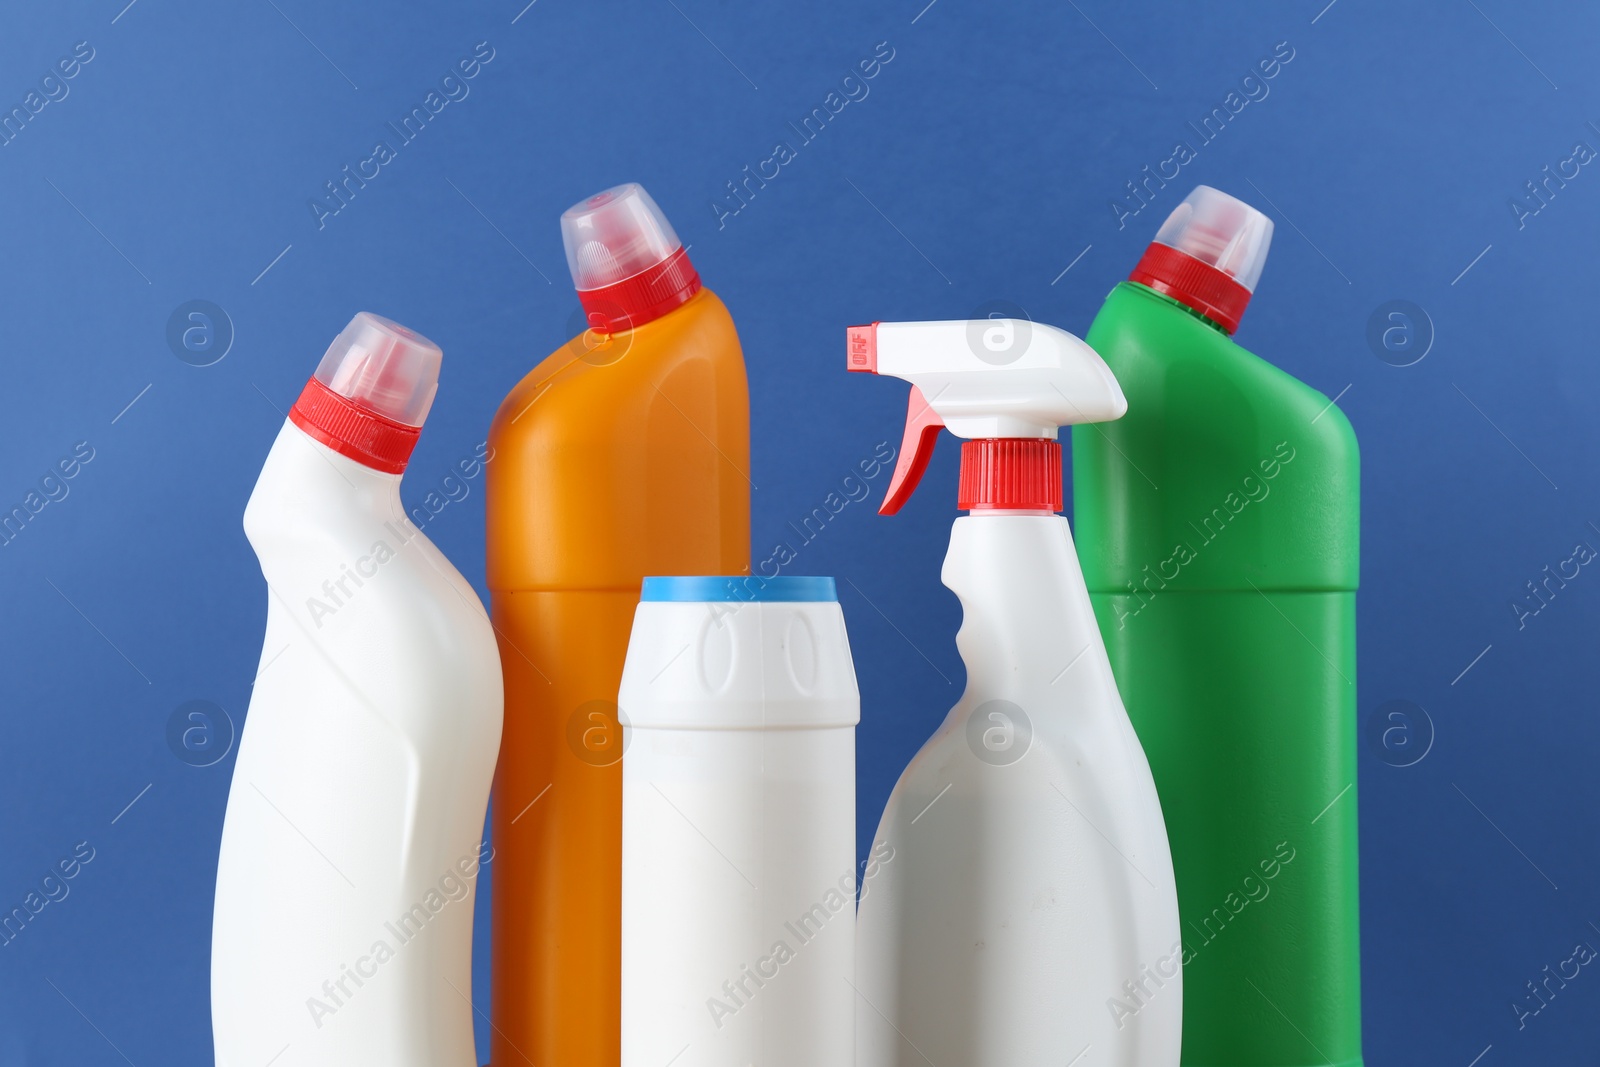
(616, 458)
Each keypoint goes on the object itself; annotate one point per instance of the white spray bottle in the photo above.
(1030, 915)
(351, 849)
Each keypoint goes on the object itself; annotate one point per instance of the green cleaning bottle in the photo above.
(1219, 525)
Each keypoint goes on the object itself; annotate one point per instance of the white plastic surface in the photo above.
(342, 931)
(1030, 883)
(738, 836)
(614, 235)
(1222, 231)
(1001, 377)
(383, 366)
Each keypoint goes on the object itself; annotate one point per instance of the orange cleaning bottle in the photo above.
(625, 453)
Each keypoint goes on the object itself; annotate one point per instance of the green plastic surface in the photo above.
(1218, 524)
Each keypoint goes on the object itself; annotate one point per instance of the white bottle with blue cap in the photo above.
(739, 707)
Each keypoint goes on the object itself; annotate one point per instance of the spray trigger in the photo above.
(916, 449)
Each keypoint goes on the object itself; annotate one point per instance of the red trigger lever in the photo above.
(916, 449)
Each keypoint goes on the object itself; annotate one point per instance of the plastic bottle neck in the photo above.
(1025, 611)
(1011, 513)
(309, 494)
(1146, 292)
(303, 474)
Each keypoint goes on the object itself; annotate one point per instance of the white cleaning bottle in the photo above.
(1030, 915)
(342, 931)
(738, 825)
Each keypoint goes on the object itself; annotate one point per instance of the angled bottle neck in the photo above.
(306, 486)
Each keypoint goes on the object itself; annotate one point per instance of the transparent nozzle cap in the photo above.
(384, 367)
(1220, 231)
(614, 235)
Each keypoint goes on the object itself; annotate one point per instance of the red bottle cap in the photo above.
(371, 393)
(626, 260)
(1208, 255)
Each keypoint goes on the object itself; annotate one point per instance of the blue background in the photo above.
(982, 163)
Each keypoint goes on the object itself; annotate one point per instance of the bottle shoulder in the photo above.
(1216, 438)
(625, 462)
(1171, 363)
(349, 568)
(593, 378)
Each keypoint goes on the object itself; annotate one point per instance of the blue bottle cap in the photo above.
(746, 588)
